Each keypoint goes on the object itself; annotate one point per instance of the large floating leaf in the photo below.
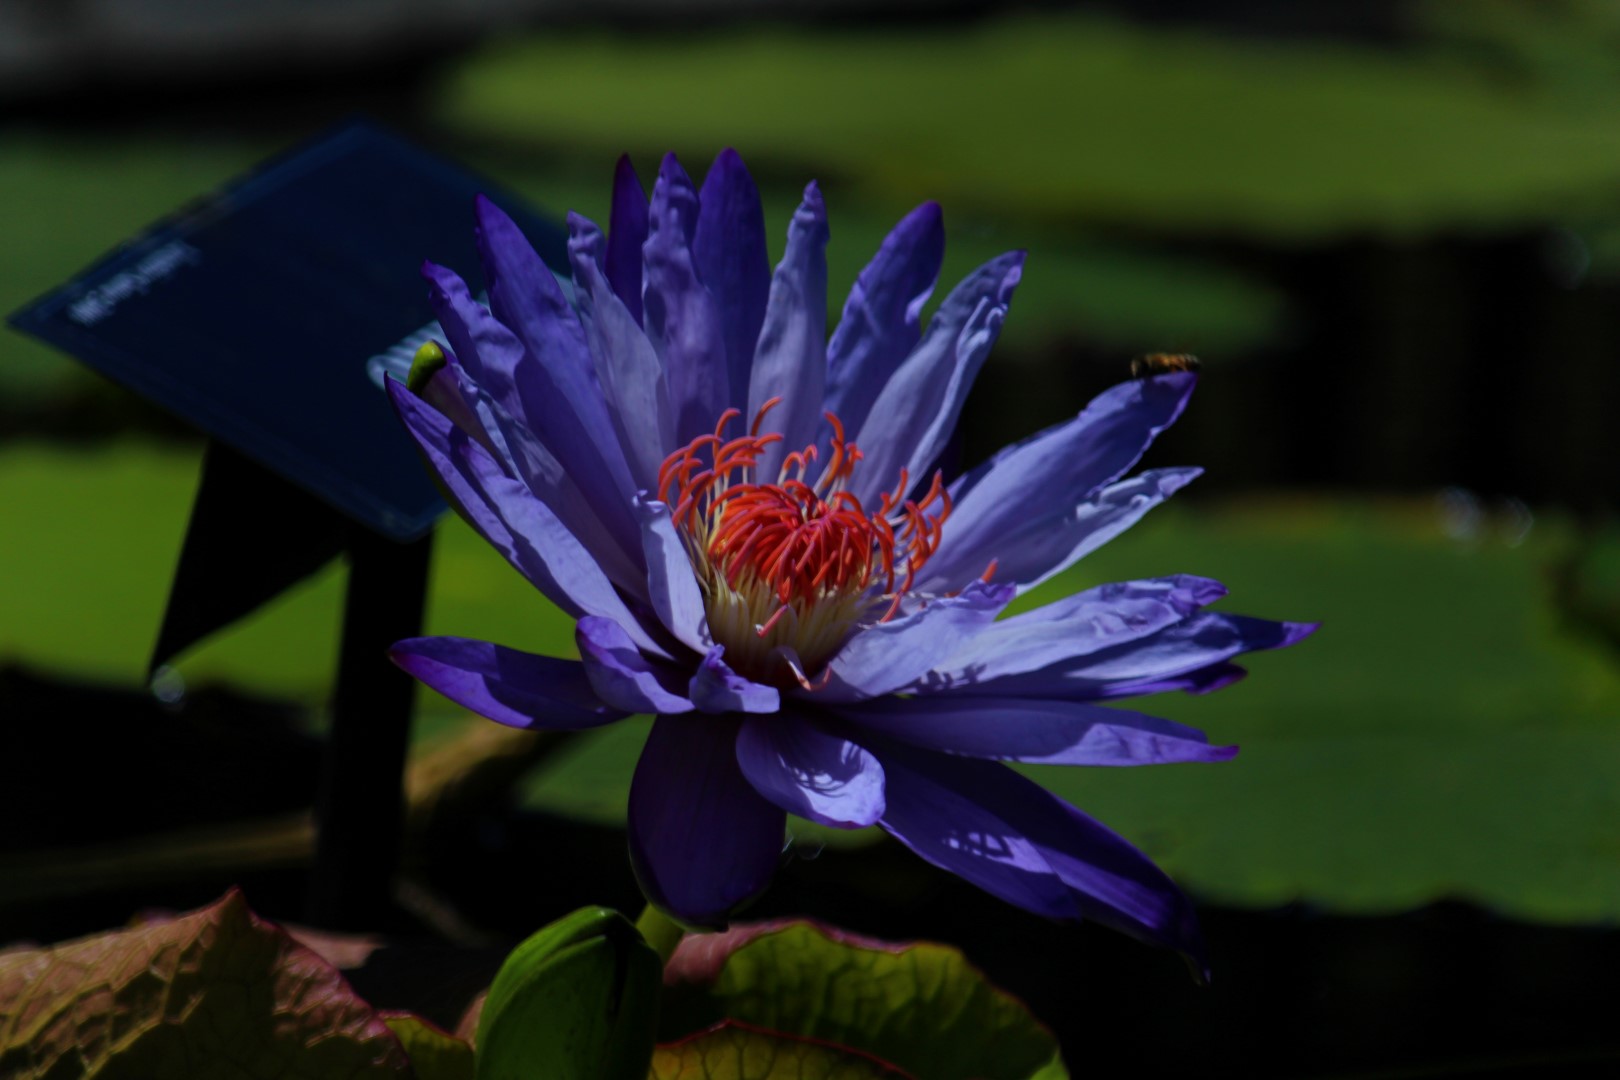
(737, 1052)
(217, 993)
(101, 531)
(1269, 137)
(919, 1005)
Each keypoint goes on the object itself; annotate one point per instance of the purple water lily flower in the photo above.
(740, 514)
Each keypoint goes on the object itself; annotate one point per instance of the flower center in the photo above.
(789, 568)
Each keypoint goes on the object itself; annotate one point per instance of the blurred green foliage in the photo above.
(1069, 118)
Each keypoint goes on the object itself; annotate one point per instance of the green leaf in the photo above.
(1445, 734)
(921, 1005)
(434, 1054)
(738, 1052)
(104, 530)
(1317, 152)
(577, 1001)
(215, 993)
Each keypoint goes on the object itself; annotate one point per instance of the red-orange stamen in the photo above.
(800, 540)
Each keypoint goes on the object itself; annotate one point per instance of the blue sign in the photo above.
(268, 313)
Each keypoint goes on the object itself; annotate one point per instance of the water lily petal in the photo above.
(1119, 887)
(672, 587)
(454, 394)
(681, 318)
(889, 656)
(621, 675)
(627, 367)
(1035, 731)
(1029, 489)
(728, 250)
(627, 231)
(811, 773)
(534, 403)
(791, 360)
(715, 688)
(916, 411)
(702, 840)
(507, 515)
(511, 687)
(963, 829)
(879, 325)
(1010, 837)
(559, 399)
(1036, 542)
(1205, 680)
(1160, 661)
(1103, 617)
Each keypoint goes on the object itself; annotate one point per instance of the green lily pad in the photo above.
(737, 1052)
(434, 1054)
(1163, 129)
(919, 1005)
(101, 530)
(216, 993)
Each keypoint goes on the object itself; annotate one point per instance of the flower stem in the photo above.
(661, 932)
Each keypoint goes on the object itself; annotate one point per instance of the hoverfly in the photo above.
(1159, 363)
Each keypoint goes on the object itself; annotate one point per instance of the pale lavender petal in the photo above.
(1205, 680)
(1035, 731)
(627, 367)
(556, 386)
(960, 828)
(514, 688)
(1152, 663)
(680, 316)
(703, 842)
(672, 587)
(527, 458)
(1038, 541)
(916, 411)
(1007, 835)
(539, 397)
(791, 361)
(879, 326)
(728, 250)
(808, 772)
(1031, 489)
(1120, 887)
(715, 688)
(627, 231)
(889, 656)
(1098, 618)
(621, 675)
(509, 517)
(480, 344)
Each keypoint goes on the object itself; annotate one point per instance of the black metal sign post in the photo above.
(269, 314)
(362, 798)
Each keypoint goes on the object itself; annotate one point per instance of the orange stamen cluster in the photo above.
(802, 540)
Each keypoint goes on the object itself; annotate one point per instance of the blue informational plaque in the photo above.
(267, 313)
